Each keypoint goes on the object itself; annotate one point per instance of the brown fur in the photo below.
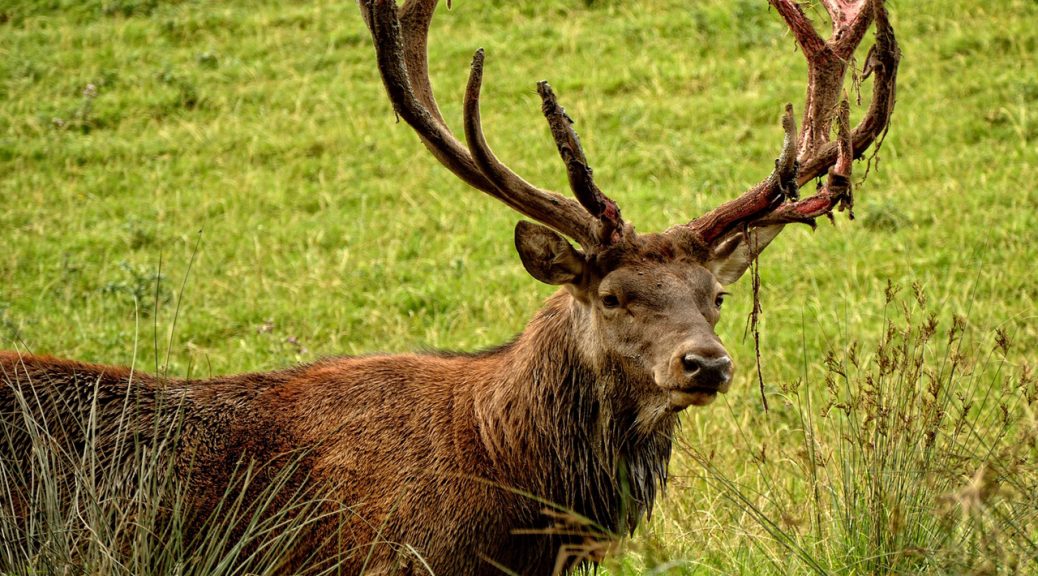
(472, 461)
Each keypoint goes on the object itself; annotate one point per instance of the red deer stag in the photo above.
(455, 459)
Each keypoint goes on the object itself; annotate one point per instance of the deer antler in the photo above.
(401, 45)
(809, 155)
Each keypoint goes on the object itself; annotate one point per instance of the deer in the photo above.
(536, 456)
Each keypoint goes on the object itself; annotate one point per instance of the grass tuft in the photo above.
(922, 458)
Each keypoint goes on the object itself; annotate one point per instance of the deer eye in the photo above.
(719, 300)
(610, 301)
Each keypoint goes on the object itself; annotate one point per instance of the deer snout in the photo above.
(695, 375)
(704, 372)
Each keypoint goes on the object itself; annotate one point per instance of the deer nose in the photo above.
(707, 372)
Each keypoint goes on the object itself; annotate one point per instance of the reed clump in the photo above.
(917, 456)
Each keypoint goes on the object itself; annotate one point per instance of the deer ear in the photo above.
(730, 259)
(547, 256)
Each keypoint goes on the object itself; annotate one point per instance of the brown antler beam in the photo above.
(881, 65)
(401, 43)
(826, 61)
(399, 64)
(766, 203)
(762, 198)
(837, 191)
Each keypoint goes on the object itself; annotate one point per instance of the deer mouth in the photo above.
(694, 396)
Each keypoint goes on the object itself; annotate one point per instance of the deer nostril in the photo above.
(691, 363)
(707, 372)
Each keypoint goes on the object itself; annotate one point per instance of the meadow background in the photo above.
(205, 188)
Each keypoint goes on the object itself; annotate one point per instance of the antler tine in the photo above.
(881, 64)
(827, 61)
(762, 198)
(556, 211)
(415, 19)
(401, 41)
(837, 190)
(815, 155)
(580, 174)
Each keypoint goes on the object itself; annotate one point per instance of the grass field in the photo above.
(203, 188)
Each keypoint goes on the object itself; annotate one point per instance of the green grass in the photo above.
(260, 133)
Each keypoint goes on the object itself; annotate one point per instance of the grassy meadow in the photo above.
(205, 188)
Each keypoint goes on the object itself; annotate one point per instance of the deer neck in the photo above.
(564, 425)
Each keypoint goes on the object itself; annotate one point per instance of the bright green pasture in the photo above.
(223, 186)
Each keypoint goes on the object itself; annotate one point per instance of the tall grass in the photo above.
(923, 459)
(91, 492)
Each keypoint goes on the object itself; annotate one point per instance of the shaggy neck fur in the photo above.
(580, 418)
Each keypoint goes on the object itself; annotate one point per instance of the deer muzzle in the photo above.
(695, 377)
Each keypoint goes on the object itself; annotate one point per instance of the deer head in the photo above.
(649, 302)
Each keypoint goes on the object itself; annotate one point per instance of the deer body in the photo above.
(454, 455)
(529, 458)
